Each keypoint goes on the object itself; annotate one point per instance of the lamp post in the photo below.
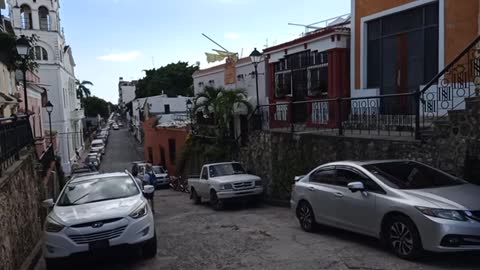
(256, 57)
(23, 49)
(189, 109)
(49, 108)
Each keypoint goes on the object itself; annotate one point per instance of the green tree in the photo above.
(222, 104)
(9, 55)
(174, 79)
(82, 90)
(95, 106)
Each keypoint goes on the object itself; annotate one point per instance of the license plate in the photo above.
(98, 245)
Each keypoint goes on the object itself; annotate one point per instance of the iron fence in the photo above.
(385, 115)
(15, 134)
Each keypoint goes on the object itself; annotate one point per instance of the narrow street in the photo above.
(248, 237)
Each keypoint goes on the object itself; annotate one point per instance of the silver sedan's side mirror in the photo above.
(356, 186)
(298, 178)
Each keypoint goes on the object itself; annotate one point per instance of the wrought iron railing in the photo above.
(46, 159)
(448, 89)
(386, 115)
(15, 134)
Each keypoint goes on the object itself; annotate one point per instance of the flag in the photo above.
(211, 57)
(231, 55)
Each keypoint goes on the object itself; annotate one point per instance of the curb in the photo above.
(31, 261)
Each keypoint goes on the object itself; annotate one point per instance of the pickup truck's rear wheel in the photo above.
(216, 203)
(194, 196)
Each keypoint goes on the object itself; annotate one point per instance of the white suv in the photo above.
(94, 213)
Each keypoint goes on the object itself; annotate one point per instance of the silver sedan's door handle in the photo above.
(311, 188)
(339, 195)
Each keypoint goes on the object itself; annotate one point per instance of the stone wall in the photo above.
(278, 157)
(21, 215)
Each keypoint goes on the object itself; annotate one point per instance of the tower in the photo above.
(55, 69)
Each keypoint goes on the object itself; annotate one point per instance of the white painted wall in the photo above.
(57, 75)
(247, 83)
(128, 93)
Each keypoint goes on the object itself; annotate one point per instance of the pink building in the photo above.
(37, 97)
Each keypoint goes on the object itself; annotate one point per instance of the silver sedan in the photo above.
(408, 205)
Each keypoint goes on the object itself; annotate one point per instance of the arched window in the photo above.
(26, 17)
(44, 17)
(39, 53)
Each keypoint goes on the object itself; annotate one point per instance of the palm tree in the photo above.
(207, 101)
(82, 89)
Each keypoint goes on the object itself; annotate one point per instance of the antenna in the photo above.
(215, 42)
(153, 62)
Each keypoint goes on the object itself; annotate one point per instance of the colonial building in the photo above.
(312, 67)
(233, 75)
(56, 70)
(126, 91)
(155, 105)
(400, 46)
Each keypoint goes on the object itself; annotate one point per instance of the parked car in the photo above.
(219, 182)
(120, 124)
(96, 152)
(161, 176)
(98, 145)
(96, 213)
(82, 171)
(408, 205)
(92, 159)
(115, 127)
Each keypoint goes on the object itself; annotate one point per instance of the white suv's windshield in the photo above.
(96, 190)
(411, 175)
(97, 145)
(226, 169)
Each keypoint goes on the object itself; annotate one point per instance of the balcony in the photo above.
(46, 160)
(78, 114)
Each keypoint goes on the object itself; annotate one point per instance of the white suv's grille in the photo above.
(104, 235)
(244, 185)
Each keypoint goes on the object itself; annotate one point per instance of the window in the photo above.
(172, 149)
(347, 175)
(44, 17)
(412, 175)
(150, 154)
(283, 84)
(226, 169)
(163, 161)
(402, 50)
(39, 53)
(323, 176)
(205, 173)
(318, 81)
(167, 108)
(26, 17)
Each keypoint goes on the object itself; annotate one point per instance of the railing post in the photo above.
(417, 114)
(339, 116)
(17, 143)
(292, 125)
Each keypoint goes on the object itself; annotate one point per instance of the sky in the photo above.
(120, 38)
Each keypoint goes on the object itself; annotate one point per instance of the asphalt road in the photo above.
(249, 237)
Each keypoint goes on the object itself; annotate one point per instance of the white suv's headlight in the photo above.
(53, 226)
(443, 213)
(141, 211)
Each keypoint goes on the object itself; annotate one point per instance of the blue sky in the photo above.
(120, 38)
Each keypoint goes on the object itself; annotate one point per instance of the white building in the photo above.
(126, 91)
(56, 70)
(241, 75)
(156, 105)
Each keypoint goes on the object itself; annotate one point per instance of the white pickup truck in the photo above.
(224, 181)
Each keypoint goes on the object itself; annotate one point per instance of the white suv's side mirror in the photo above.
(356, 186)
(49, 203)
(148, 189)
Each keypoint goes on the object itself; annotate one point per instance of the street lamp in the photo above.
(23, 49)
(189, 109)
(49, 108)
(256, 57)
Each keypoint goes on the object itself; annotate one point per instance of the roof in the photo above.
(97, 141)
(363, 162)
(220, 67)
(313, 35)
(98, 177)
(220, 163)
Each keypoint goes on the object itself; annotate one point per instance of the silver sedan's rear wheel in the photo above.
(306, 217)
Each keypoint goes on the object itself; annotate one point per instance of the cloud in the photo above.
(232, 35)
(121, 57)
